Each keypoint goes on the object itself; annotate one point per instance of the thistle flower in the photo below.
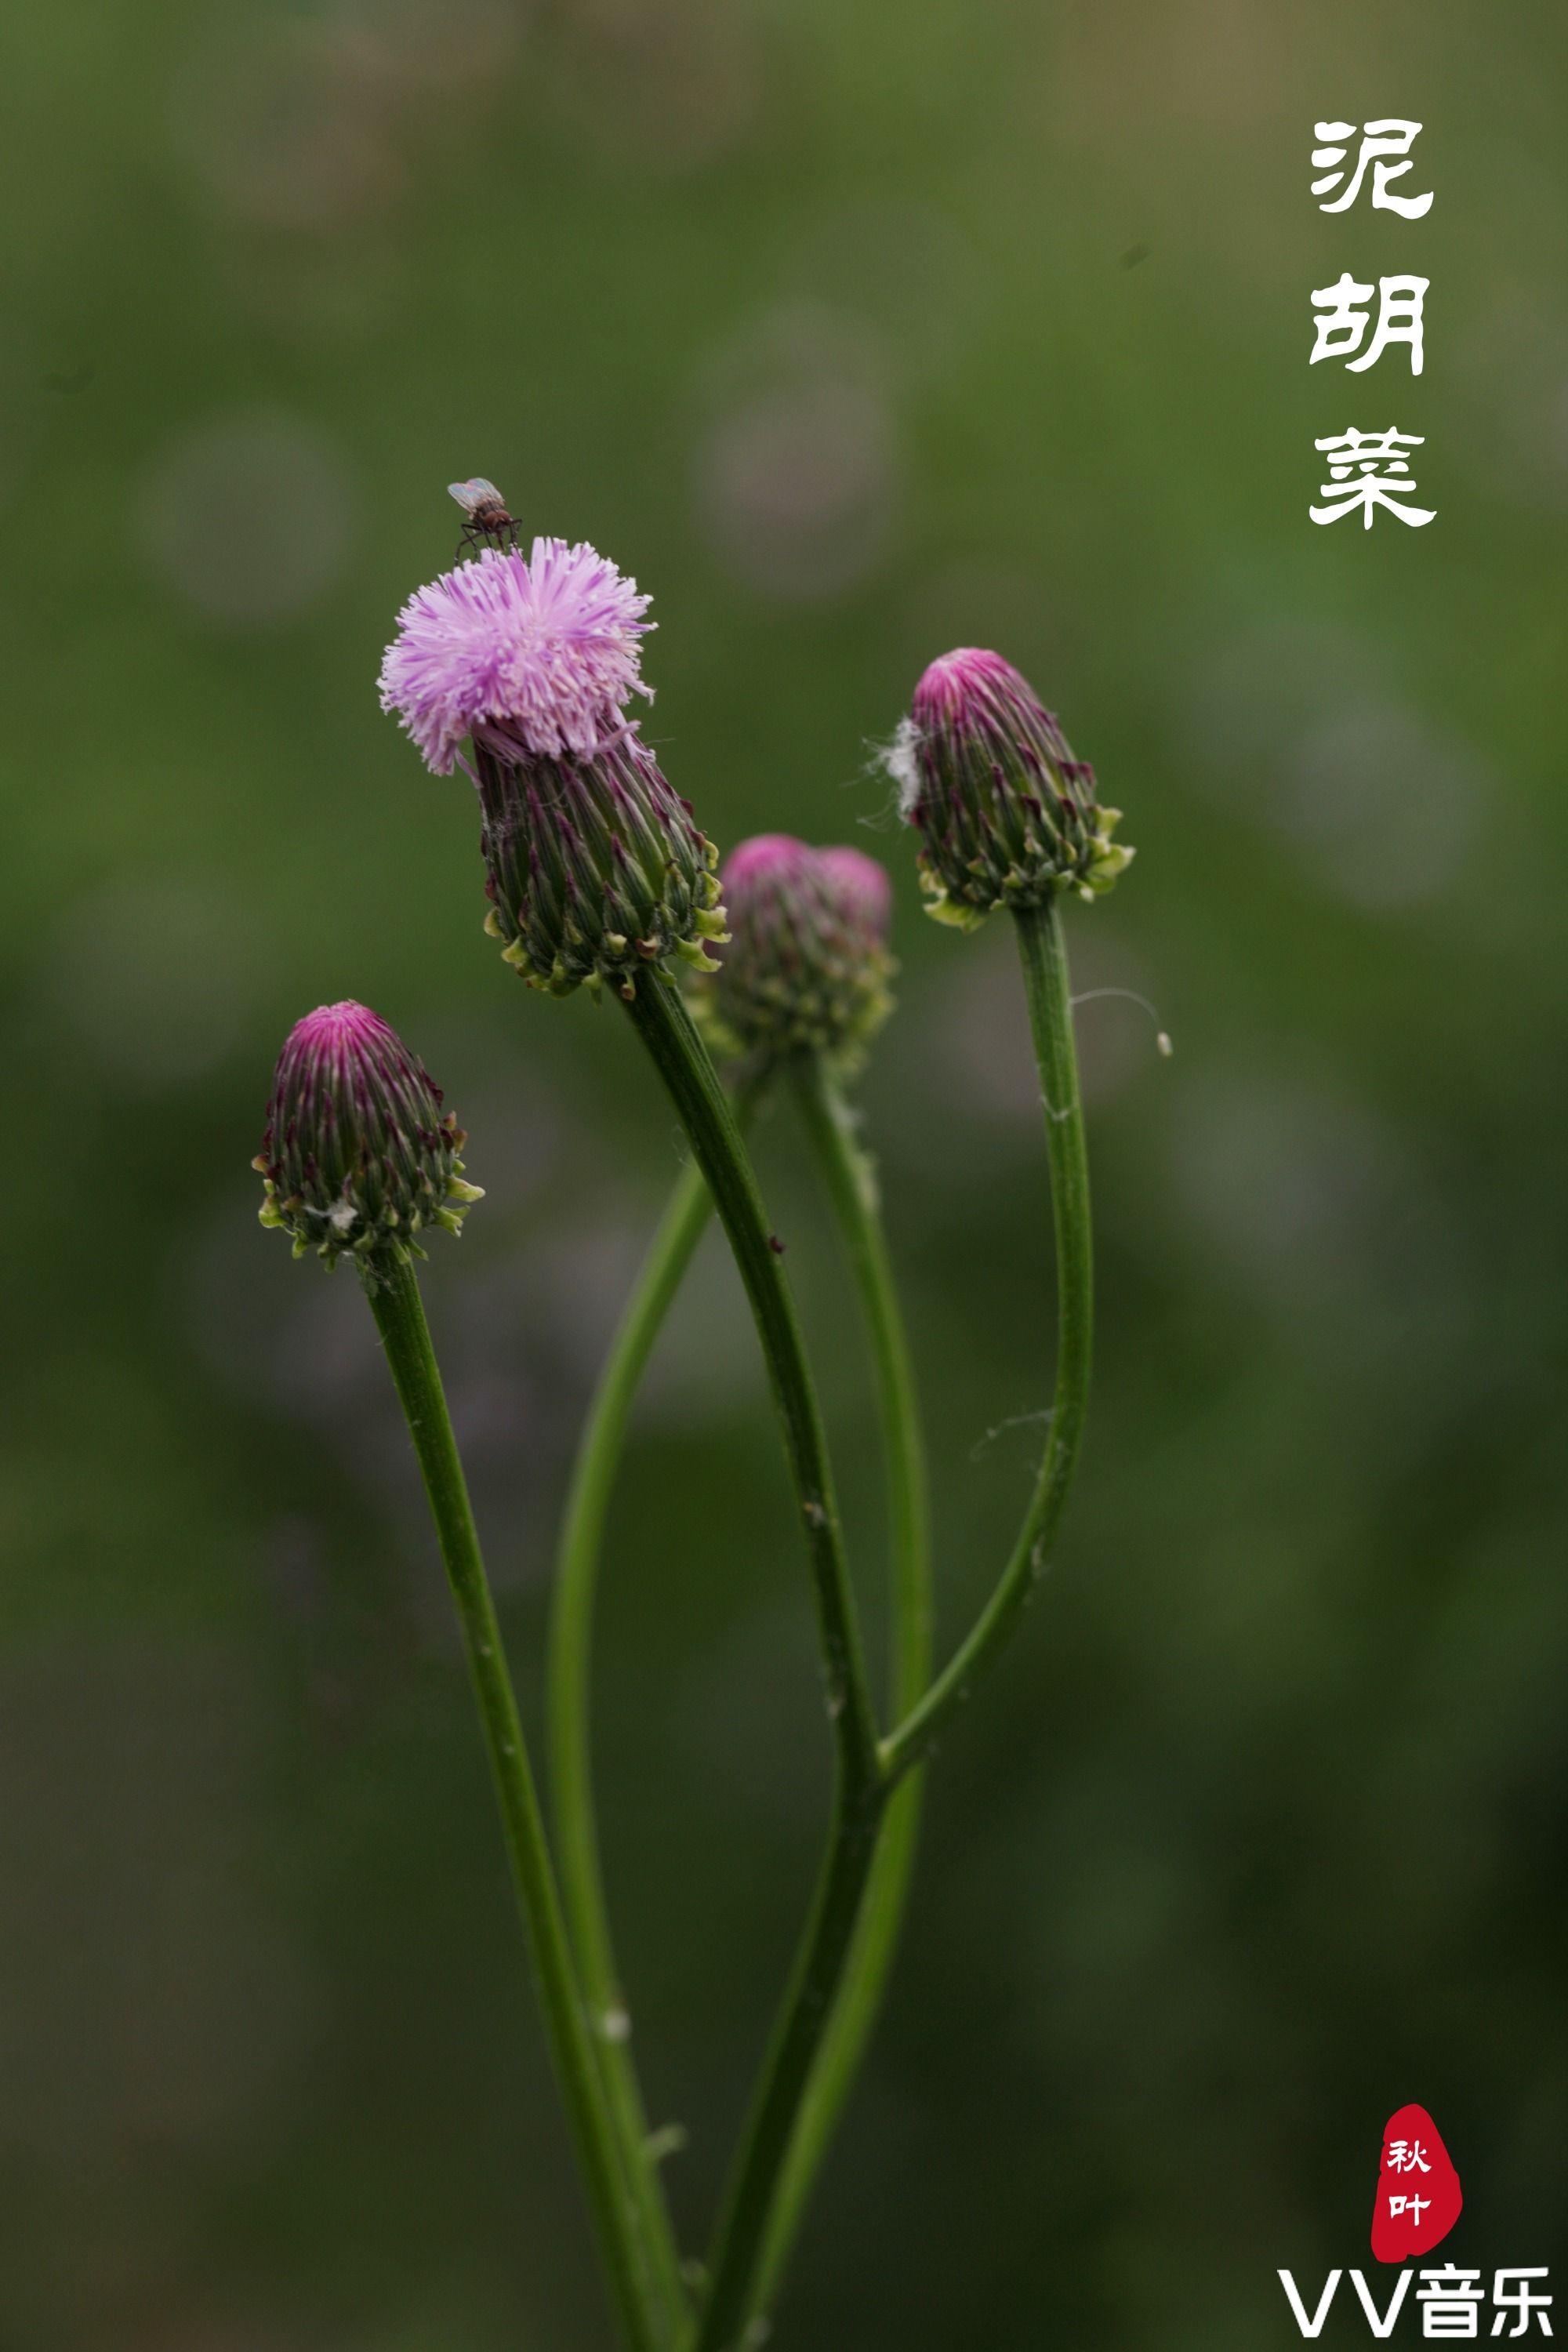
(808, 967)
(594, 866)
(533, 658)
(1006, 815)
(358, 1157)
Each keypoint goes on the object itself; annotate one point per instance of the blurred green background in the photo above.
(853, 332)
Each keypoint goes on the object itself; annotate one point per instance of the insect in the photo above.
(486, 510)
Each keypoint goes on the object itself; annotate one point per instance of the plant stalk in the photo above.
(406, 1337)
(658, 1014)
(568, 1696)
(1047, 989)
(850, 1178)
(662, 1020)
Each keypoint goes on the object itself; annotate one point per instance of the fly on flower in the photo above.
(487, 514)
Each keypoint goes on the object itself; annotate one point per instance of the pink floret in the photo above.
(533, 659)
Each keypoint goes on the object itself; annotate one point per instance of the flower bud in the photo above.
(807, 966)
(358, 1158)
(594, 869)
(1006, 815)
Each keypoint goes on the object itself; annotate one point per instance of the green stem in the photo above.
(659, 1016)
(851, 1182)
(568, 1682)
(738, 2264)
(400, 1317)
(665, 1026)
(1043, 952)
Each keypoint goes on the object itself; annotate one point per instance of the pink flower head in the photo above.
(534, 659)
(807, 967)
(358, 1155)
(1006, 815)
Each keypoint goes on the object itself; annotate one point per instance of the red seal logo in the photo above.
(1419, 2195)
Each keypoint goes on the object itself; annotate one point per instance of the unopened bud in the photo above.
(1006, 815)
(359, 1158)
(807, 966)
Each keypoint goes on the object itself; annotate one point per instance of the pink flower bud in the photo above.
(807, 969)
(1006, 815)
(358, 1158)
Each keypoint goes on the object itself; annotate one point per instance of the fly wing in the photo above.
(472, 496)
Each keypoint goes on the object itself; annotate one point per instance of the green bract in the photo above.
(595, 868)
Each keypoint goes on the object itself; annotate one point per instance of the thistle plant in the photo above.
(541, 799)
(974, 761)
(581, 835)
(598, 872)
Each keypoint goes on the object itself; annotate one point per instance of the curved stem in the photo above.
(568, 1694)
(659, 1016)
(400, 1318)
(851, 1182)
(737, 2265)
(1043, 952)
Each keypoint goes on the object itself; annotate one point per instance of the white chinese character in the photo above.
(1404, 2155)
(1366, 470)
(1416, 2206)
(1390, 137)
(1450, 2301)
(1343, 322)
(1523, 2299)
